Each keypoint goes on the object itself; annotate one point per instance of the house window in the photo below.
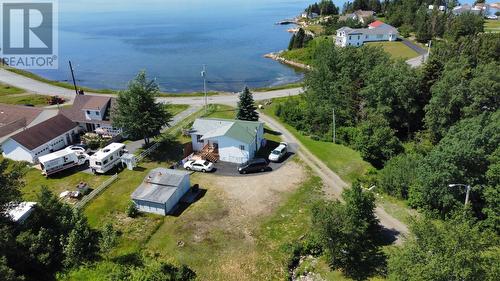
(349, 37)
(242, 147)
(97, 113)
(88, 112)
(380, 36)
(198, 138)
(359, 37)
(366, 36)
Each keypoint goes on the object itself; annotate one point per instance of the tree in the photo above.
(137, 112)
(462, 156)
(349, 233)
(246, 107)
(81, 244)
(108, 238)
(452, 250)
(390, 91)
(376, 141)
(464, 25)
(11, 176)
(398, 174)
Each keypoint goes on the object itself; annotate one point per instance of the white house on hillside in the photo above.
(234, 141)
(92, 114)
(359, 15)
(46, 137)
(376, 31)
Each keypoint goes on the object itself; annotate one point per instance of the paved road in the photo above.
(422, 54)
(42, 88)
(334, 183)
(418, 61)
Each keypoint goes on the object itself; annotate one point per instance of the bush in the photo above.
(132, 210)
(405, 30)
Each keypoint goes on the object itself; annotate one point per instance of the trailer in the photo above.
(107, 158)
(61, 160)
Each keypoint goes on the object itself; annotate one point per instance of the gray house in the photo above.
(161, 190)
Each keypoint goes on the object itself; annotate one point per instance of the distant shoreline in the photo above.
(70, 86)
(277, 57)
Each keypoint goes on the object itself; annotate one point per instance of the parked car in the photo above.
(77, 148)
(199, 165)
(279, 152)
(254, 165)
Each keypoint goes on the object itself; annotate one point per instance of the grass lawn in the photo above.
(32, 99)
(317, 29)
(66, 180)
(9, 90)
(177, 108)
(304, 55)
(347, 163)
(279, 87)
(492, 26)
(397, 50)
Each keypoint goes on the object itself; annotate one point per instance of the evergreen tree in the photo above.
(81, 244)
(137, 112)
(108, 238)
(246, 107)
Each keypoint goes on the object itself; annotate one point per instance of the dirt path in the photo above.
(335, 185)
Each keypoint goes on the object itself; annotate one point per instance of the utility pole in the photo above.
(73, 76)
(429, 49)
(333, 119)
(467, 188)
(204, 75)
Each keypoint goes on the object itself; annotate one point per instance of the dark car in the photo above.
(254, 165)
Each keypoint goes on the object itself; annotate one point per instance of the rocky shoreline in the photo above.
(277, 57)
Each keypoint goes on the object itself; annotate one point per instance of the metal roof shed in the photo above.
(161, 190)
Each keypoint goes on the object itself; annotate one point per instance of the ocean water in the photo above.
(109, 41)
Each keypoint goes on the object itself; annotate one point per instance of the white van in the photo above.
(61, 160)
(107, 158)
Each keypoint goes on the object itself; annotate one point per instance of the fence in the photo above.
(95, 192)
(148, 151)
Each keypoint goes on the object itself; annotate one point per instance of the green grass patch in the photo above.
(9, 90)
(397, 50)
(177, 108)
(344, 161)
(57, 183)
(305, 55)
(397, 208)
(492, 26)
(32, 99)
(280, 87)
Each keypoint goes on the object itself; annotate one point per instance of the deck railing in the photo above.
(148, 151)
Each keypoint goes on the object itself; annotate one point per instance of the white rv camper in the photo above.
(107, 158)
(61, 160)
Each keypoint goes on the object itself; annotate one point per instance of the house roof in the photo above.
(15, 117)
(96, 102)
(364, 14)
(159, 185)
(381, 29)
(244, 131)
(85, 102)
(44, 132)
(376, 23)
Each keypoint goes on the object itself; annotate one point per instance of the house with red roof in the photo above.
(376, 31)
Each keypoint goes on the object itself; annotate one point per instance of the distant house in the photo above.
(19, 212)
(92, 114)
(233, 141)
(376, 31)
(15, 117)
(161, 190)
(306, 15)
(478, 9)
(441, 8)
(48, 136)
(359, 15)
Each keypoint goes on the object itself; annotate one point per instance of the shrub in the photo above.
(132, 210)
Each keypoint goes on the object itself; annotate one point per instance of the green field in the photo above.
(492, 26)
(9, 90)
(305, 55)
(397, 50)
(32, 99)
(177, 108)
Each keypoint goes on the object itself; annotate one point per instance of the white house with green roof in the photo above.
(235, 141)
